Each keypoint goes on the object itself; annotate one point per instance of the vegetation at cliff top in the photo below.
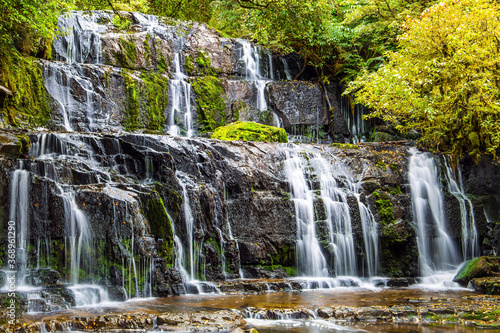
(249, 131)
(419, 64)
(445, 79)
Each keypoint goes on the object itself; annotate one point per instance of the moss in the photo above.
(127, 57)
(145, 102)
(248, 131)
(476, 268)
(28, 106)
(189, 65)
(395, 190)
(161, 226)
(210, 103)
(156, 90)
(132, 120)
(345, 145)
(162, 64)
(384, 208)
(121, 23)
(147, 48)
(24, 144)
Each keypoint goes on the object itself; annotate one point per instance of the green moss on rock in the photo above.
(384, 208)
(249, 131)
(161, 226)
(345, 145)
(478, 268)
(121, 22)
(146, 100)
(211, 108)
(28, 105)
(156, 90)
(127, 57)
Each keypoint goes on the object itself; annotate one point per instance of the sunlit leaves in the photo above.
(445, 80)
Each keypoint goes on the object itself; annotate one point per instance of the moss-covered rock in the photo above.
(249, 131)
(28, 105)
(478, 268)
(489, 285)
(161, 227)
(211, 108)
(146, 100)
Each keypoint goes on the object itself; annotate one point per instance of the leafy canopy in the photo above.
(445, 80)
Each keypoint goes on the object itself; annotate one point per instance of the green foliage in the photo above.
(444, 81)
(211, 108)
(161, 227)
(29, 104)
(249, 131)
(121, 22)
(384, 208)
(149, 95)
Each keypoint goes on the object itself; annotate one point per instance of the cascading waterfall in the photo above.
(470, 246)
(80, 41)
(437, 250)
(188, 216)
(338, 217)
(251, 58)
(19, 215)
(179, 100)
(338, 223)
(310, 259)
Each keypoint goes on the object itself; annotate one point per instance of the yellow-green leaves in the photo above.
(445, 79)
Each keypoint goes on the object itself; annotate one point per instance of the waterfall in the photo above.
(251, 59)
(79, 236)
(80, 41)
(19, 214)
(437, 250)
(286, 69)
(179, 100)
(187, 265)
(336, 185)
(310, 259)
(470, 246)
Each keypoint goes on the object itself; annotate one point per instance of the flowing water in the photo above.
(438, 254)
(336, 186)
(180, 101)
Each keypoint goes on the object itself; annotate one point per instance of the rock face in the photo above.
(139, 79)
(140, 204)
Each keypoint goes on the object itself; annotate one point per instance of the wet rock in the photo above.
(478, 268)
(401, 282)
(488, 285)
(298, 103)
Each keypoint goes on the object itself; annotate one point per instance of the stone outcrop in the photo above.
(109, 78)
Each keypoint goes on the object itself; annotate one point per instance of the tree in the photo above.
(444, 81)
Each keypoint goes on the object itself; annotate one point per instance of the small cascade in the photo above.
(191, 261)
(19, 214)
(80, 41)
(250, 56)
(337, 216)
(470, 246)
(288, 72)
(310, 259)
(179, 101)
(353, 115)
(317, 183)
(437, 250)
